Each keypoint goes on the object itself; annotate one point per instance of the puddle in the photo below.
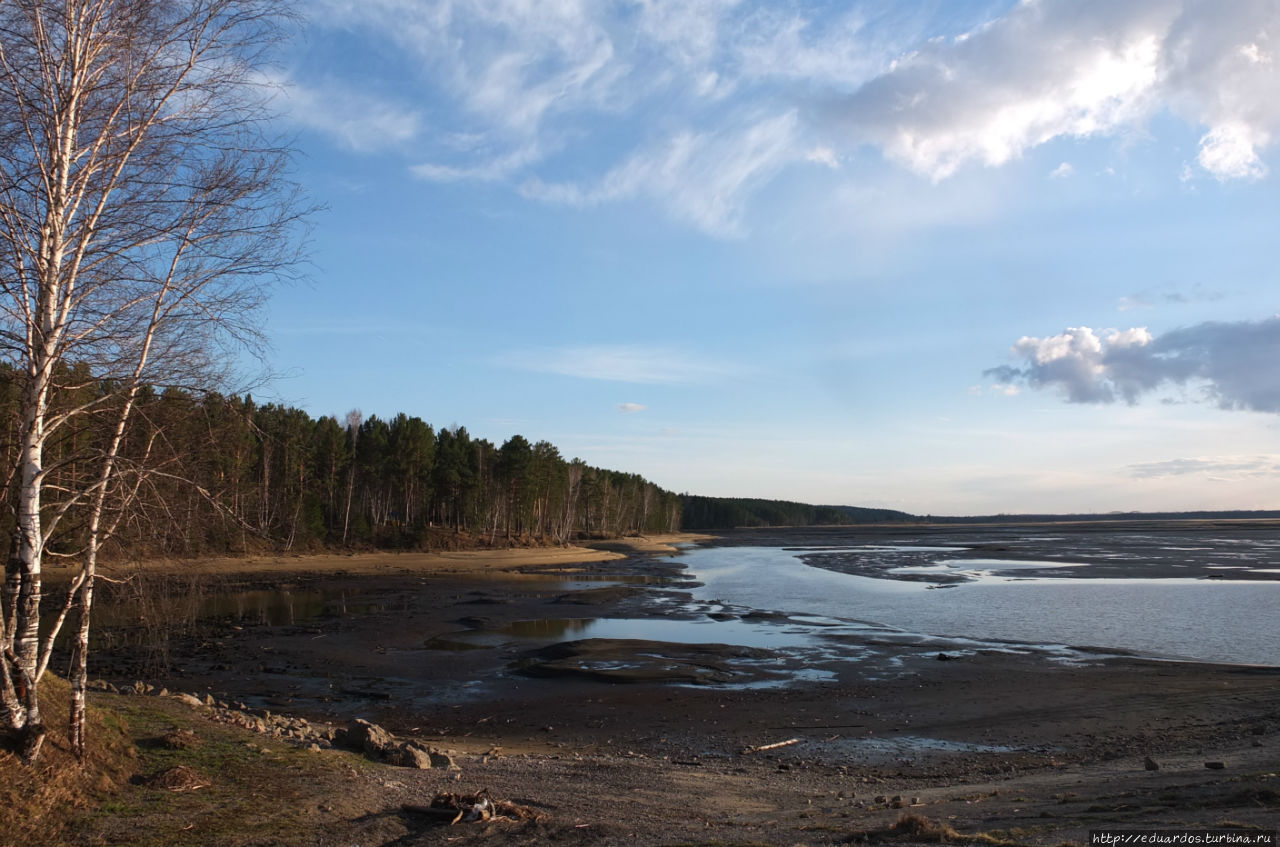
(1005, 564)
(734, 632)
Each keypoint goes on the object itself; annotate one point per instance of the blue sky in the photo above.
(947, 257)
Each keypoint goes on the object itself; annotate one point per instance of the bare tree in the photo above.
(144, 211)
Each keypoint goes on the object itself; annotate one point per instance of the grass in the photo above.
(260, 791)
(38, 802)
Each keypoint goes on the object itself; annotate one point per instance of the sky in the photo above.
(944, 256)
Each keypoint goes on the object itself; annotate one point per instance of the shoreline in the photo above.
(453, 562)
(994, 743)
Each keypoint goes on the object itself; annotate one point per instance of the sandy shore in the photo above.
(656, 750)
(459, 562)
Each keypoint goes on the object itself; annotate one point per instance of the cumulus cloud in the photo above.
(619, 363)
(1232, 363)
(1079, 68)
(631, 408)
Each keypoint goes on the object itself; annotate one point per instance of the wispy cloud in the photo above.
(622, 363)
(703, 178)
(1220, 467)
(631, 408)
(697, 104)
(1149, 299)
(1233, 363)
(356, 120)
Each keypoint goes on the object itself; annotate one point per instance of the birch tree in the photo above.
(144, 210)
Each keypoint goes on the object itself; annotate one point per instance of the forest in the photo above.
(726, 512)
(214, 474)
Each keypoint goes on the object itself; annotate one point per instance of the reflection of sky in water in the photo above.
(702, 631)
(1208, 620)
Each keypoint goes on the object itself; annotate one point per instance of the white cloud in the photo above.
(1062, 171)
(1066, 68)
(490, 170)
(663, 98)
(356, 120)
(703, 178)
(619, 363)
(1229, 151)
(631, 408)
(1233, 363)
(822, 155)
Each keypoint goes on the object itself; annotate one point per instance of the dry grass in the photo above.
(35, 799)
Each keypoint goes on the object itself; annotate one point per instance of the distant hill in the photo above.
(727, 512)
(1239, 514)
(704, 513)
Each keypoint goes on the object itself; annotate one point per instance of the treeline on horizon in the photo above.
(217, 474)
(709, 513)
(703, 513)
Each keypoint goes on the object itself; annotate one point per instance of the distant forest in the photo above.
(709, 513)
(701, 513)
(217, 474)
(221, 474)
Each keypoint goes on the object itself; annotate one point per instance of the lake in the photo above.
(1094, 591)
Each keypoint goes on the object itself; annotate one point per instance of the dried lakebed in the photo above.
(1040, 734)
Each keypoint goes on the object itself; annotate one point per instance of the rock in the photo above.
(880, 798)
(209, 701)
(314, 748)
(441, 759)
(1150, 764)
(1215, 766)
(945, 657)
(190, 700)
(371, 739)
(409, 756)
(1256, 743)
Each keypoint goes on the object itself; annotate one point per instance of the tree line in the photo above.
(728, 512)
(223, 474)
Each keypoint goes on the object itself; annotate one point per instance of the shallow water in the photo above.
(1195, 619)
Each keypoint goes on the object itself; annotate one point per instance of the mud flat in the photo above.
(529, 674)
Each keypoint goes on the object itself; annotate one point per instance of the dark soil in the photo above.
(648, 743)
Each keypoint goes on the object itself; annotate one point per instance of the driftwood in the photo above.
(762, 747)
(473, 808)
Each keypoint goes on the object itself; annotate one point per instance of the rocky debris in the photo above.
(1150, 764)
(381, 746)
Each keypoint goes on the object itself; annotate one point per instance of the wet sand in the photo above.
(643, 741)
